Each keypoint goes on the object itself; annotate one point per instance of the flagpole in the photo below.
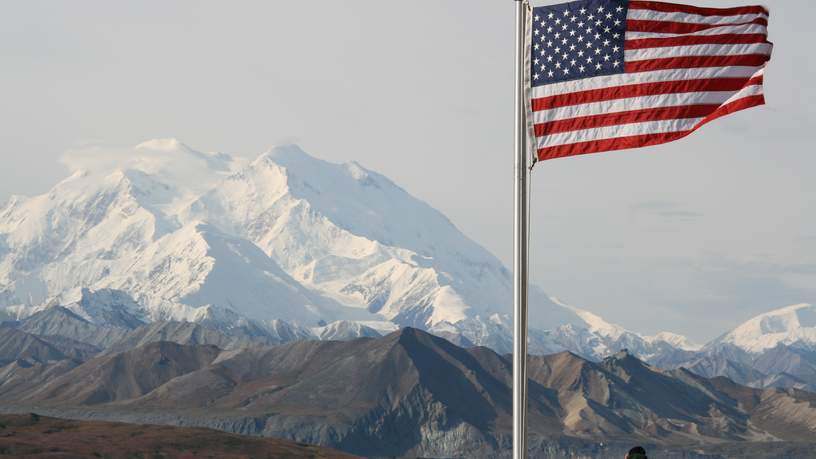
(520, 244)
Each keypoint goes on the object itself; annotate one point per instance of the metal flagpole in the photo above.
(520, 244)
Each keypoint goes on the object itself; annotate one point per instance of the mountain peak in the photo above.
(787, 325)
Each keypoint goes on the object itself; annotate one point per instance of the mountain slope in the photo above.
(411, 393)
(162, 232)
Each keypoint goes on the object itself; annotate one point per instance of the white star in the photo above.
(597, 50)
(606, 42)
(617, 22)
(572, 33)
(537, 18)
(580, 39)
(549, 29)
(591, 17)
(598, 22)
(617, 35)
(558, 21)
(535, 61)
(564, 26)
(549, 44)
(543, 67)
(580, 24)
(551, 73)
(558, 65)
(572, 47)
(606, 58)
(535, 31)
(557, 50)
(607, 29)
(597, 36)
(550, 15)
(582, 10)
(566, 71)
(619, 9)
(573, 62)
(615, 49)
(601, 9)
(598, 66)
(549, 58)
(582, 68)
(589, 60)
(535, 76)
(609, 15)
(558, 35)
(574, 18)
(566, 13)
(563, 41)
(565, 56)
(616, 63)
(535, 46)
(581, 53)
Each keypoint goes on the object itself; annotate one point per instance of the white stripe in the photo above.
(651, 15)
(635, 55)
(753, 90)
(740, 29)
(622, 130)
(637, 103)
(607, 81)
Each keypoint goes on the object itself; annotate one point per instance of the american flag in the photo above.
(615, 74)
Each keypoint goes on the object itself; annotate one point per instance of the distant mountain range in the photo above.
(407, 393)
(163, 242)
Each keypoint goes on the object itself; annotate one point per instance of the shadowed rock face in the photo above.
(59, 322)
(408, 393)
(16, 345)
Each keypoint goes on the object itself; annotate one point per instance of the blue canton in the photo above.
(578, 40)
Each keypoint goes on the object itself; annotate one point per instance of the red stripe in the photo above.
(639, 25)
(643, 89)
(633, 116)
(692, 62)
(675, 8)
(723, 39)
(727, 109)
(643, 140)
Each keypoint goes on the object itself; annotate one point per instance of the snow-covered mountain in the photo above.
(791, 325)
(164, 232)
(773, 349)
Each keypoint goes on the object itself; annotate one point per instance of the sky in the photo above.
(692, 237)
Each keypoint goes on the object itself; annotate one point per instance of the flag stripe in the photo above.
(622, 130)
(607, 81)
(729, 38)
(641, 103)
(632, 116)
(739, 29)
(690, 62)
(643, 89)
(638, 25)
(642, 140)
(691, 18)
(676, 8)
(699, 50)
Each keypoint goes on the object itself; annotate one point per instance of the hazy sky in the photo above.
(693, 237)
